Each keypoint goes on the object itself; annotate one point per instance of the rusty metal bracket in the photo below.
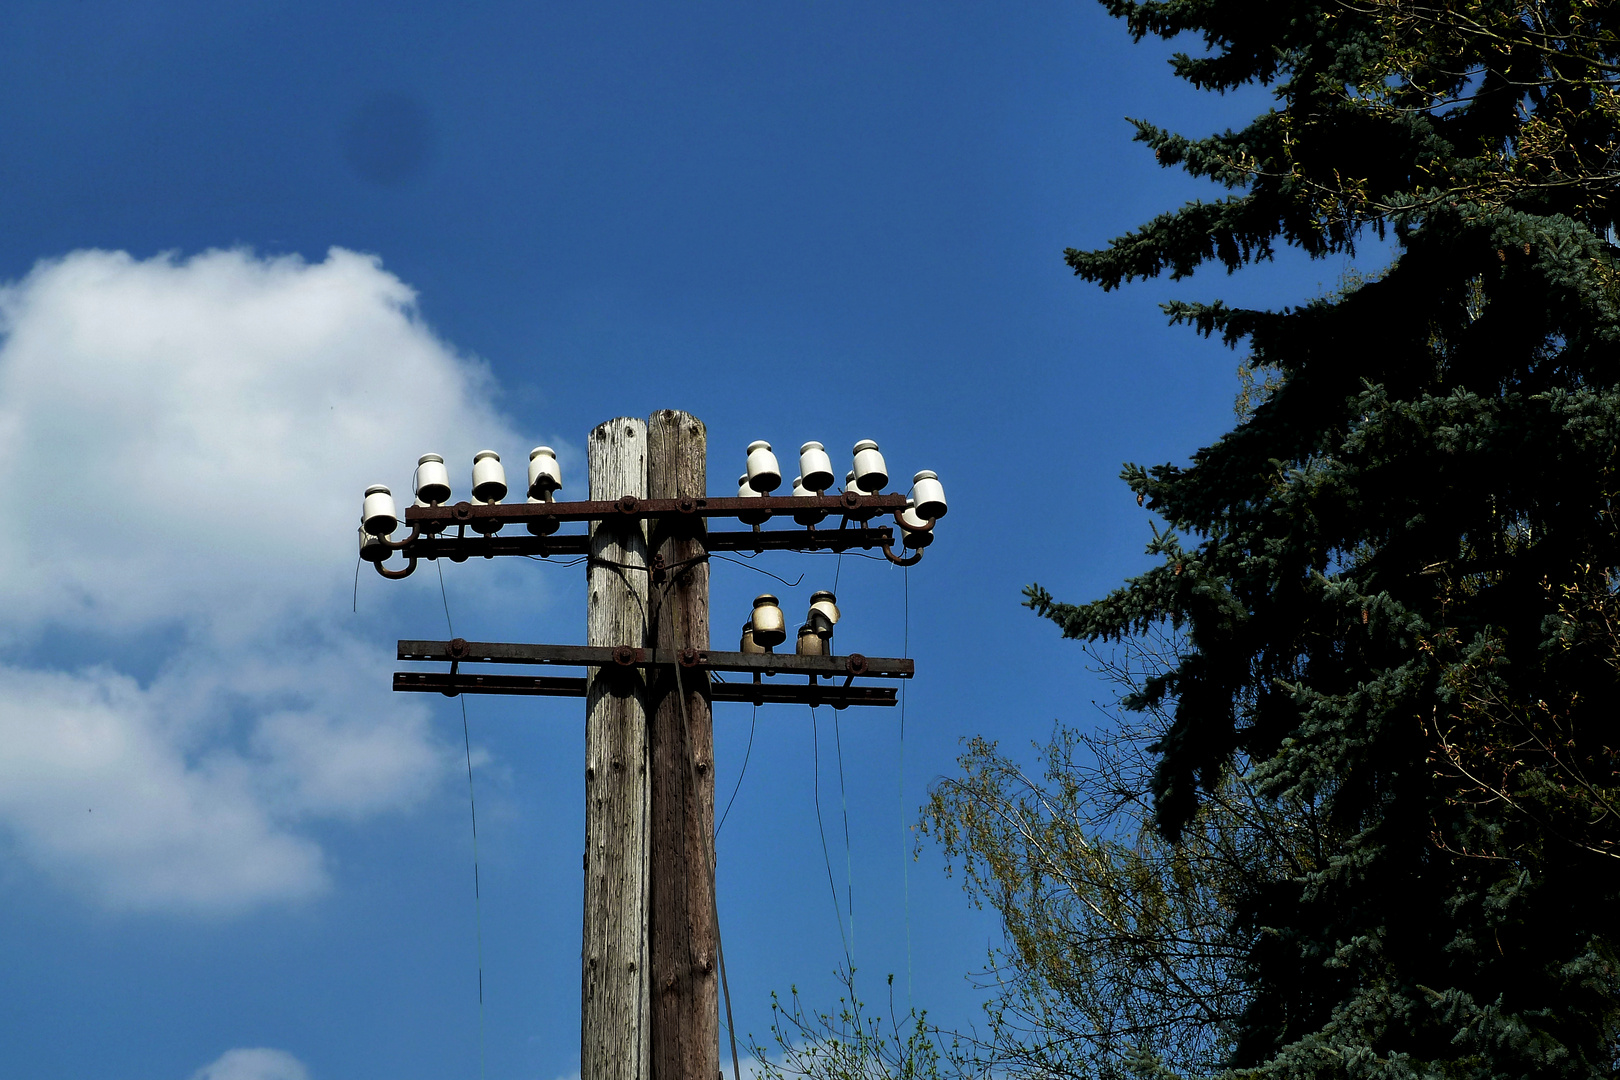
(768, 664)
(909, 560)
(596, 510)
(762, 693)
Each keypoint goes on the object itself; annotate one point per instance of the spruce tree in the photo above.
(1395, 579)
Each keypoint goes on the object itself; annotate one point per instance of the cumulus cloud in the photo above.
(185, 442)
(258, 1063)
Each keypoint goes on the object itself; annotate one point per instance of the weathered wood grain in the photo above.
(685, 984)
(614, 1039)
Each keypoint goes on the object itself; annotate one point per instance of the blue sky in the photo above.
(261, 255)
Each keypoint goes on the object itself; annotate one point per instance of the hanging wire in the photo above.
(905, 841)
(708, 863)
(743, 772)
(815, 758)
(818, 551)
(553, 562)
(357, 561)
(757, 570)
(472, 805)
(444, 597)
(478, 899)
(849, 871)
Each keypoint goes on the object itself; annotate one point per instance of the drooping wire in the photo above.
(708, 862)
(357, 561)
(443, 596)
(823, 551)
(849, 870)
(905, 838)
(826, 858)
(472, 806)
(741, 773)
(790, 584)
(478, 899)
(552, 562)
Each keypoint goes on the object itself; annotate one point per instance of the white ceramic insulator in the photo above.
(545, 526)
(432, 485)
(915, 539)
(545, 475)
(826, 604)
(372, 548)
(750, 517)
(806, 517)
(378, 514)
(770, 628)
(815, 467)
(749, 645)
(810, 642)
(929, 495)
(764, 474)
(870, 471)
(488, 477)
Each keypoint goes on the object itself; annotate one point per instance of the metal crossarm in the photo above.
(457, 547)
(497, 652)
(461, 513)
(761, 666)
(760, 693)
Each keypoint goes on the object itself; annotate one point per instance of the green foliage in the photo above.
(1393, 577)
(1119, 959)
(853, 1044)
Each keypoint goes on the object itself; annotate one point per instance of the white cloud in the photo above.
(185, 442)
(258, 1063)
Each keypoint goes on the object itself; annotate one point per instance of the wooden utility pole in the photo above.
(651, 962)
(684, 952)
(614, 1035)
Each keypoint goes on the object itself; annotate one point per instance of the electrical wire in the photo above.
(849, 870)
(445, 598)
(552, 562)
(357, 561)
(708, 863)
(819, 551)
(741, 773)
(472, 805)
(757, 570)
(826, 858)
(478, 899)
(905, 844)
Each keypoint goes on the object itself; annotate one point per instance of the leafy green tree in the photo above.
(1119, 956)
(1395, 577)
(854, 1043)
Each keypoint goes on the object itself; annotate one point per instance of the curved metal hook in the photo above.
(899, 519)
(416, 531)
(910, 560)
(396, 574)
